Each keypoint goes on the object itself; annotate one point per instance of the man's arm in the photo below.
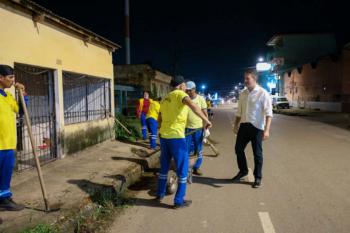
(205, 111)
(238, 117)
(267, 127)
(236, 124)
(159, 120)
(197, 111)
(268, 114)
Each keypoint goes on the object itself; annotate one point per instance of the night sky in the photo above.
(210, 41)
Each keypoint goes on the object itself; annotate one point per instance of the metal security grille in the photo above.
(86, 98)
(40, 90)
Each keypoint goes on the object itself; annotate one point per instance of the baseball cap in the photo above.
(177, 80)
(6, 70)
(190, 85)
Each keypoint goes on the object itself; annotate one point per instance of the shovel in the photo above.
(37, 162)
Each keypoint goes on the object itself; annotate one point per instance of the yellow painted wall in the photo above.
(23, 41)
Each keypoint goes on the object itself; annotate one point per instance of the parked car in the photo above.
(280, 102)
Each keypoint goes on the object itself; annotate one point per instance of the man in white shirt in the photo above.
(252, 124)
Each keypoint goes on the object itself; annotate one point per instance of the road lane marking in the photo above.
(250, 175)
(266, 222)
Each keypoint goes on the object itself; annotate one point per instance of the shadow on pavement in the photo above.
(94, 191)
(149, 203)
(216, 183)
(146, 182)
(92, 188)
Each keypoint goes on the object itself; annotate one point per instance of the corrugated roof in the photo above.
(50, 17)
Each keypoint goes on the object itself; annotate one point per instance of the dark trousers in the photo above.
(248, 133)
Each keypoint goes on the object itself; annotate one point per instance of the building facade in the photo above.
(314, 74)
(139, 78)
(68, 74)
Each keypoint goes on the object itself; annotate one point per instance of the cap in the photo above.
(6, 70)
(177, 80)
(190, 85)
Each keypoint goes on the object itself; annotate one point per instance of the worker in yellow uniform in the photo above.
(152, 122)
(173, 117)
(8, 110)
(209, 110)
(141, 112)
(194, 127)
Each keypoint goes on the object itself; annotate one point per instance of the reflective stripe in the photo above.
(4, 192)
(162, 176)
(183, 180)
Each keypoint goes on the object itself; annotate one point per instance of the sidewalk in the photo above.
(71, 181)
(341, 120)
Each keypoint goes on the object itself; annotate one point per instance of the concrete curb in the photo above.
(131, 175)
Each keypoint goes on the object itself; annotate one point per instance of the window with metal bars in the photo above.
(86, 98)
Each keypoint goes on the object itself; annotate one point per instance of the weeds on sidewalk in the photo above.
(107, 204)
(132, 125)
(42, 228)
(95, 216)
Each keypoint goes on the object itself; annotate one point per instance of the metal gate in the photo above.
(41, 107)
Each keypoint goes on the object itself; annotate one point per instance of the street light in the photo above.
(260, 59)
(203, 87)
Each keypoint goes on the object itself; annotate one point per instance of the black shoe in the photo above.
(239, 176)
(9, 205)
(197, 172)
(257, 183)
(185, 204)
(159, 199)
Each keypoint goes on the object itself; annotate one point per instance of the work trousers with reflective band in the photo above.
(194, 143)
(152, 126)
(7, 163)
(173, 149)
(249, 133)
(143, 126)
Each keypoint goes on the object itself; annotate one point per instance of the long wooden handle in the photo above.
(215, 150)
(37, 161)
(126, 129)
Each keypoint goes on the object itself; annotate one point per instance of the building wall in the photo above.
(143, 77)
(327, 83)
(134, 75)
(40, 44)
(160, 85)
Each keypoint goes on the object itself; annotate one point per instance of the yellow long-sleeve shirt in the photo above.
(8, 110)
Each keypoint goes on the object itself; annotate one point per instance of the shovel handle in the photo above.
(37, 161)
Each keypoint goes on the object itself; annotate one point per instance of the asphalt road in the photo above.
(306, 186)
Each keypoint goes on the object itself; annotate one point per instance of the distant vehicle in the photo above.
(280, 102)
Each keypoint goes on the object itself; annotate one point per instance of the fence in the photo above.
(86, 98)
(40, 90)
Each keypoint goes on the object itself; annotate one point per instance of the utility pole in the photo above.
(127, 32)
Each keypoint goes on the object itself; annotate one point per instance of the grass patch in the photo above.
(42, 228)
(132, 124)
(107, 203)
